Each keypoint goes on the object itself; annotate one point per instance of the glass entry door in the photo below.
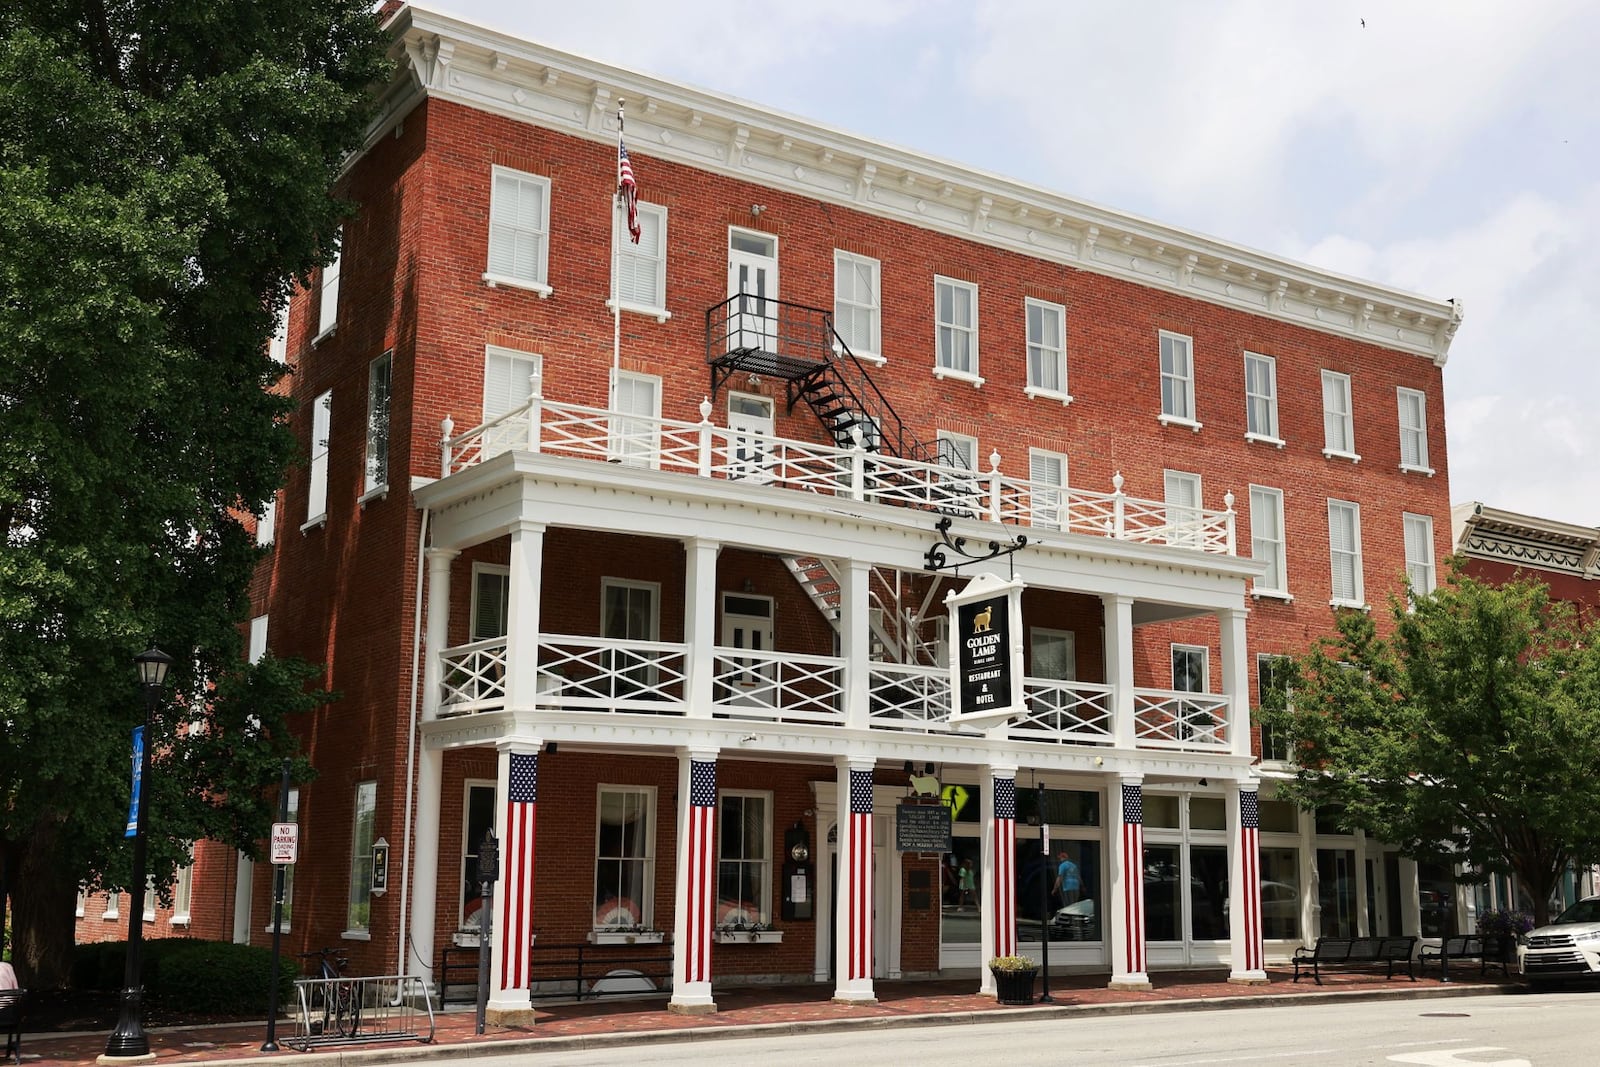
(753, 278)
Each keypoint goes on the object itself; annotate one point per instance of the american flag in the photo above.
(1003, 879)
(702, 869)
(626, 185)
(522, 806)
(860, 874)
(1250, 848)
(1133, 875)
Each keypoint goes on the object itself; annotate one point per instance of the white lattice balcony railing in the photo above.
(901, 696)
(1065, 712)
(1165, 718)
(778, 686)
(473, 677)
(703, 450)
(599, 674)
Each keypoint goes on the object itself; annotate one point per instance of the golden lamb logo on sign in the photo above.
(986, 670)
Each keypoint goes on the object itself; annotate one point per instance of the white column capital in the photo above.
(437, 556)
(700, 753)
(524, 526)
(1003, 770)
(1131, 779)
(520, 746)
(855, 763)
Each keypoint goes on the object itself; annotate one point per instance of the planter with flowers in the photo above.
(1013, 978)
(1500, 929)
(740, 933)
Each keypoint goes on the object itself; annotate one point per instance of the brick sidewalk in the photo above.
(765, 1007)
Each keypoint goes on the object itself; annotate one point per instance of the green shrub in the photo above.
(218, 977)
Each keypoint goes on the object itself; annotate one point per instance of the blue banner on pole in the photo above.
(138, 767)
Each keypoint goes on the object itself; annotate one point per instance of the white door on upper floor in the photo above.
(753, 278)
(747, 624)
(750, 420)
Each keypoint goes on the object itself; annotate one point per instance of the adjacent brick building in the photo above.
(660, 574)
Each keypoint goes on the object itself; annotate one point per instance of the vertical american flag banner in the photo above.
(860, 869)
(516, 869)
(1003, 878)
(1133, 875)
(627, 187)
(1250, 883)
(701, 884)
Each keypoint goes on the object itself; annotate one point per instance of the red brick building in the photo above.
(639, 581)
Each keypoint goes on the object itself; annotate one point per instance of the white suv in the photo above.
(1568, 948)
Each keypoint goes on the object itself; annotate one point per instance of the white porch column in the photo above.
(853, 963)
(700, 621)
(854, 642)
(1119, 666)
(430, 776)
(522, 615)
(1236, 678)
(515, 823)
(1127, 885)
(696, 882)
(998, 893)
(1248, 953)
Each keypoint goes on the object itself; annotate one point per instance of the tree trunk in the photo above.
(43, 896)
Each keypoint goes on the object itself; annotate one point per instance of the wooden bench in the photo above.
(1462, 947)
(11, 1003)
(1356, 952)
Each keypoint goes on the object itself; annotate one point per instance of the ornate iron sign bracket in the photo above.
(938, 560)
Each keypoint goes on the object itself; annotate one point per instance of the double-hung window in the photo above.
(1419, 553)
(635, 426)
(956, 329)
(183, 892)
(328, 308)
(266, 526)
(519, 231)
(744, 861)
(380, 374)
(1185, 524)
(1266, 539)
(858, 304)
(624, 865)
(1047, 473)
(630, 613)
(1344, 552)
(358, 913)
(1261, 399)
(1338, 419)
(1414, 431)
(258, 638)
(1177, 379)
(961, 492)
(642, 267)
(1052, 655)
(1272, 677)
(278, 347)
(321, 427)
(1047, 349)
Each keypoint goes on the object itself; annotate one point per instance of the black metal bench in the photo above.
(461, 962)
(1356, 952)
(1463, 947)
(11, 1004)
(581, 970)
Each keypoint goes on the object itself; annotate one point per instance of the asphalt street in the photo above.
(1555, 1030)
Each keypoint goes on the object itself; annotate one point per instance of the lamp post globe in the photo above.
(128, 1042)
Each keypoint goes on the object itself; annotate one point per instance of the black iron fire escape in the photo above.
(773, 338)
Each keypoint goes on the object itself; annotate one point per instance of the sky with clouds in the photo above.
(1450, 148)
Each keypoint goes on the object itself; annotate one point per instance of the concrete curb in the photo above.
(584, 1042)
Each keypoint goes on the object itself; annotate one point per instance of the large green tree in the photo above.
(165, 168)
(1469, 734)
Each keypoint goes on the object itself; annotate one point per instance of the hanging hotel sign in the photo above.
(986, 671)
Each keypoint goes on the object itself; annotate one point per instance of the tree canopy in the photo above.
(1469, 735)
(165, 175)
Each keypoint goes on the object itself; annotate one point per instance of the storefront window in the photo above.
(1208, 892)
(1279, 817)
(1280, 893)
(1160, 811)
(1436, 896)
(1336, 892)
(1207, 813)
(1070, 876)
(1062, 807)
(961, 889)
(1163, 908)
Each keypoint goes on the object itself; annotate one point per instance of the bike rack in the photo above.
(388, 1007)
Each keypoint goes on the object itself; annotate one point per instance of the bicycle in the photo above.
(334, 994)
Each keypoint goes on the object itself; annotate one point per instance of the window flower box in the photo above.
(626, 937)
(748, 935)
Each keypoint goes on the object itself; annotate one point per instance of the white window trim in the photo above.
(278, 344)
(322, 399)
(1406, 519)
(1360, 601)
(1061, 505)
(1072, 646)
(479, 569)
(1205, 666)
(267, 524)
(617, 419)
(466, 937)
(258, 637)
(377, 490)
(356, 933)
(973, 377)
(877, 358)
(1258, 590)
(498, 280)
(1401, 393)
(773, 867)
(1186, 515)
(651, 934)
(113, 906)
(1348, 416)
(1275, 438)
(630, 583)
(183, 892)
(1167, 418)
(658, 310)
(83, 899)
(1030, 390)
(328, 322)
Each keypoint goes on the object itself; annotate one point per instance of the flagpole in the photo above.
(616, 255)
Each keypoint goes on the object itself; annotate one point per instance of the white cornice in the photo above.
(1525, 540)
(443, 57)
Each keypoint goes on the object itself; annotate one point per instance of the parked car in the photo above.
(1567, 948)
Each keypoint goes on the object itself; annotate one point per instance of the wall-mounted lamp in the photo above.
(927, 768)
(1204, 782)
(756, 210)
(549, 746)
(909, 769)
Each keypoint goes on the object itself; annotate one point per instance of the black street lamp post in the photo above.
(128, 1040)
